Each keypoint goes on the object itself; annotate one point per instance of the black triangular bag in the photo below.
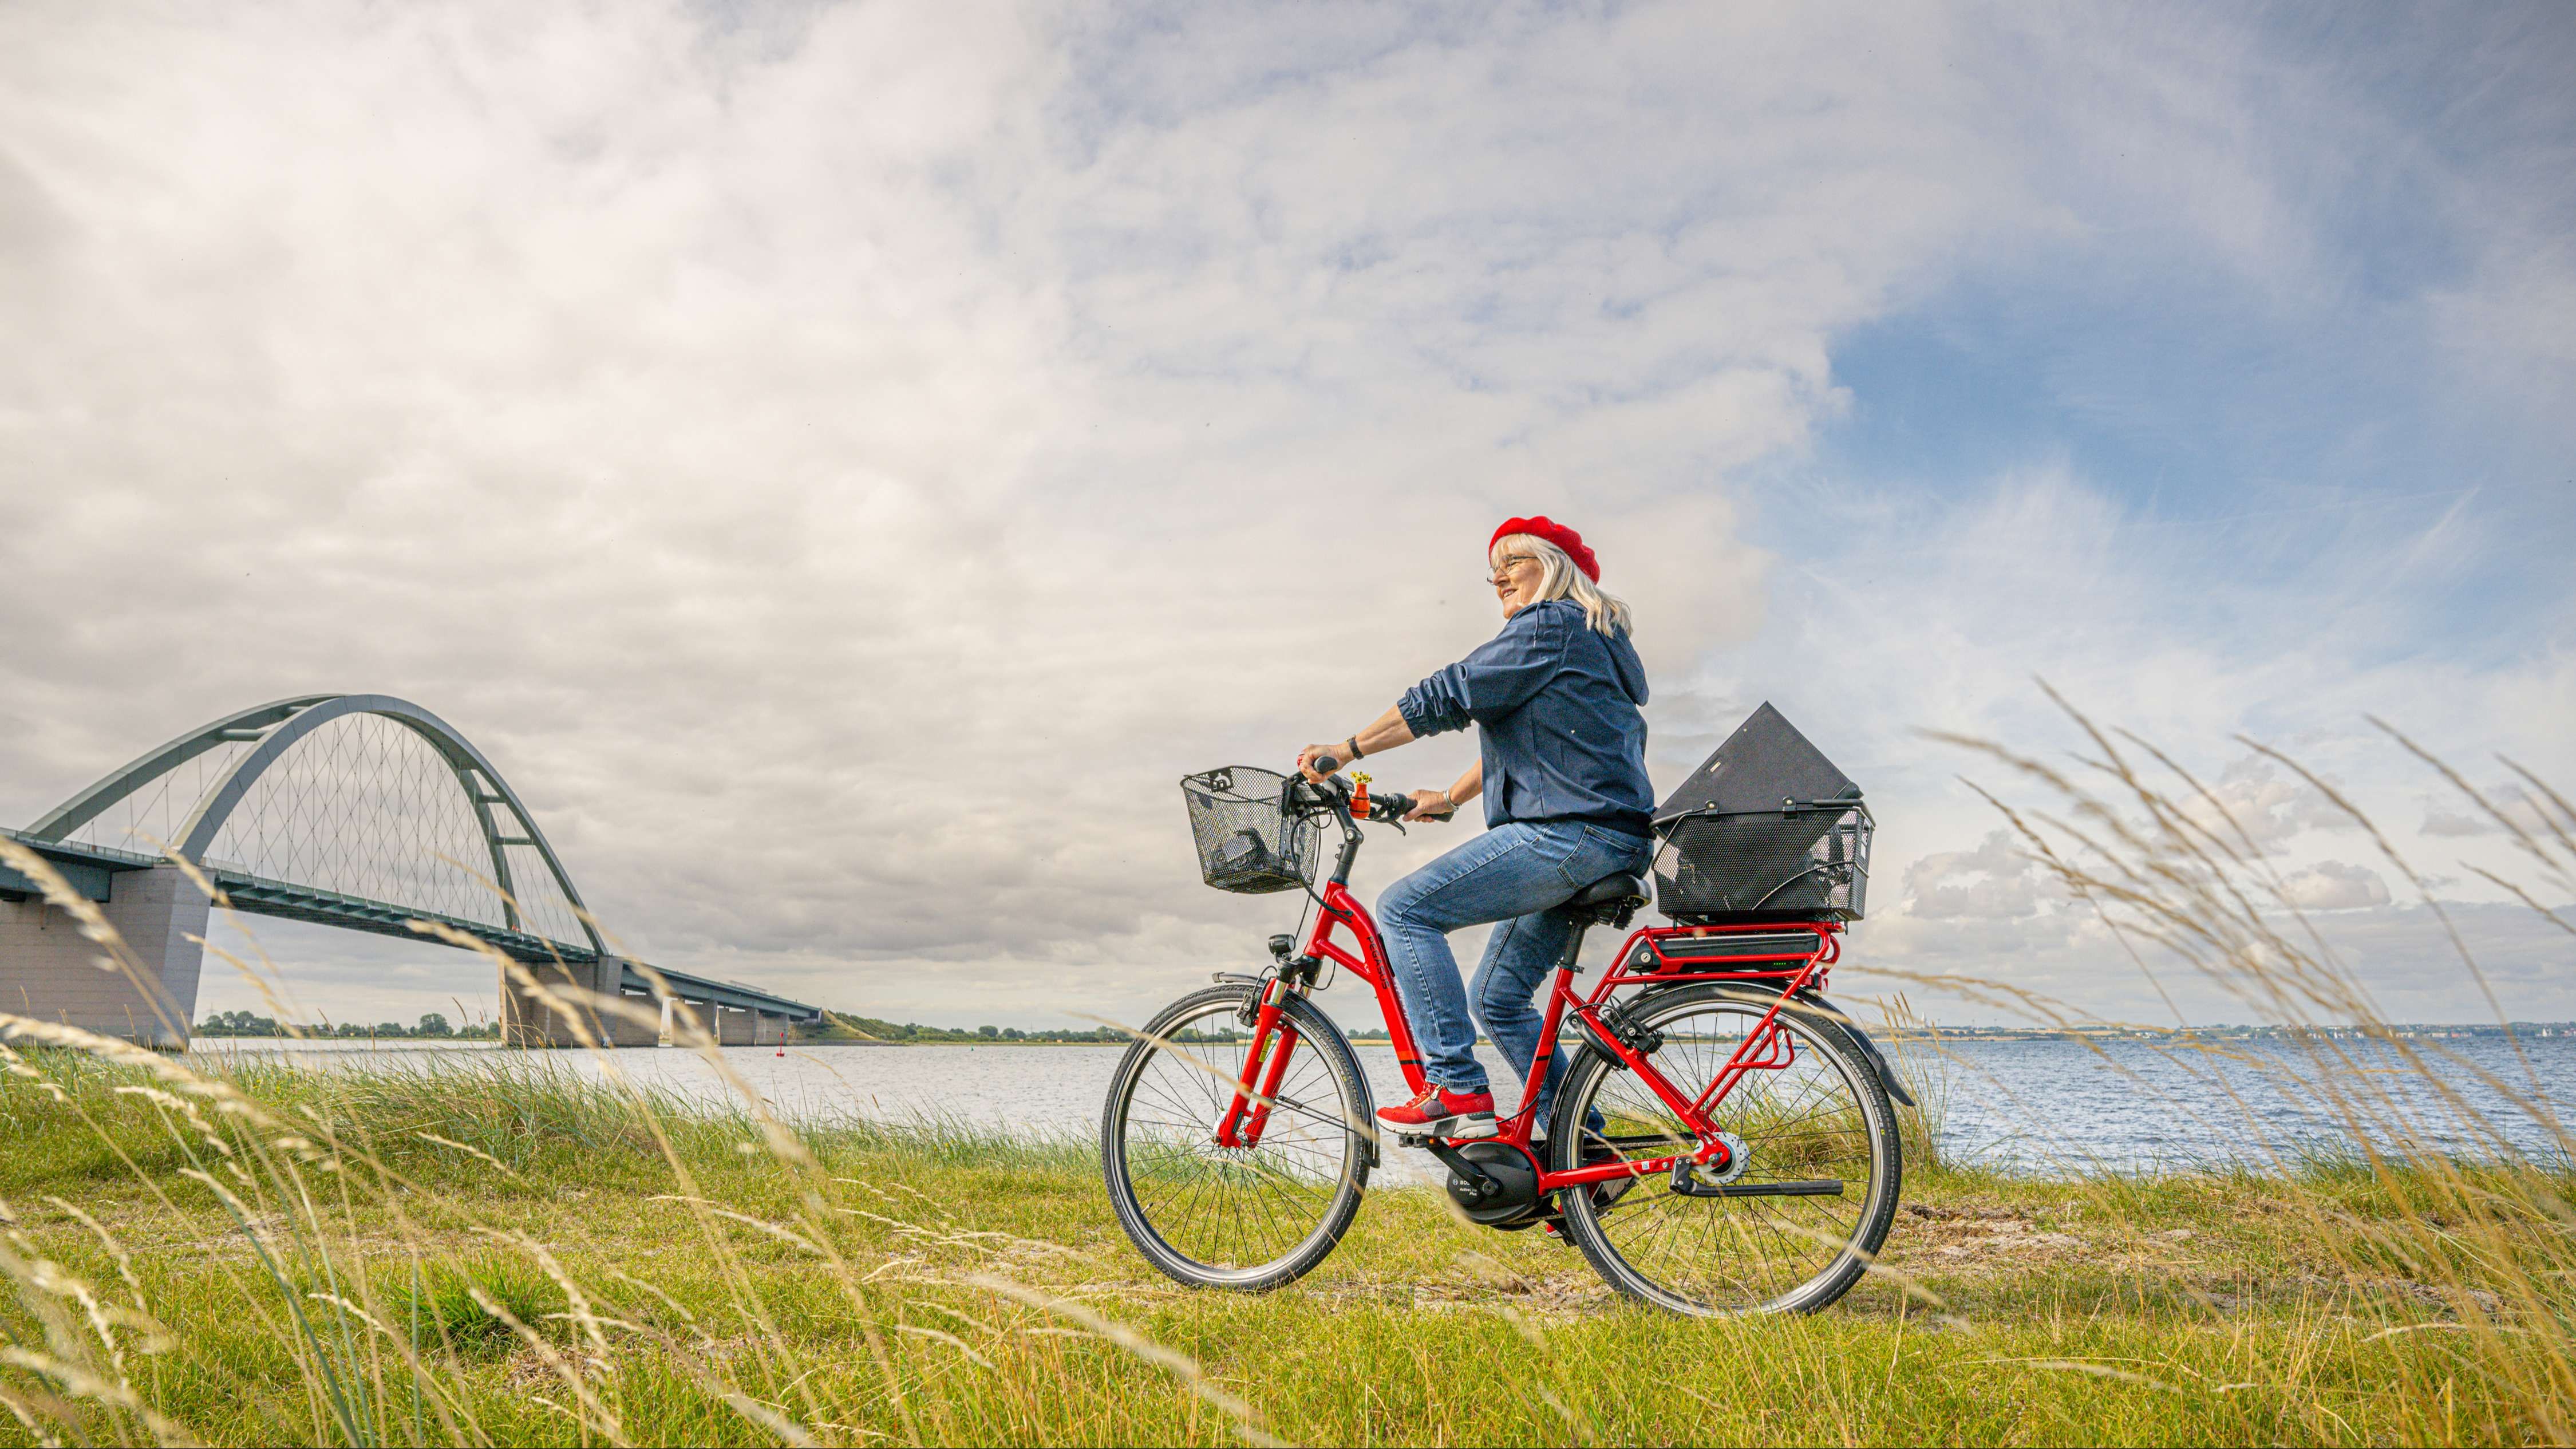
(1766, 828)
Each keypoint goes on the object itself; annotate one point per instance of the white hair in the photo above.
(1560, 579)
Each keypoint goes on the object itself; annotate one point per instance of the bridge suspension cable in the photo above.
(362, 796)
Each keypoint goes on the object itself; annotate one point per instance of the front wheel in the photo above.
(1245, 1218)
(1806, 1201)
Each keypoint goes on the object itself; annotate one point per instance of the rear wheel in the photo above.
(1234, 1217)
(1820, 1125)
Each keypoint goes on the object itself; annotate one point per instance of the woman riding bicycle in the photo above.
(1562, 766)
(1723, 1140)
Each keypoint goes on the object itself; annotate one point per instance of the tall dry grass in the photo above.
(2481, 1192)
(378, 1263)
(376, 1355)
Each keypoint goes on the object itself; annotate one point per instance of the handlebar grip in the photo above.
(1396, 807)
(1326, 764)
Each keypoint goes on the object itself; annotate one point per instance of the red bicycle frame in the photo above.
(1764, 1048)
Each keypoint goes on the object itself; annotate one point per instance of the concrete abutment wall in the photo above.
(48, 968)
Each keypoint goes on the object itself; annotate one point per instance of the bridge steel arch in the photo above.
(158, 911)
(278, 726)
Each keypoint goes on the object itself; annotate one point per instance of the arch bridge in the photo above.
(355, 810)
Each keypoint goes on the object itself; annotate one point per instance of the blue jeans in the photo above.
(1515, 874)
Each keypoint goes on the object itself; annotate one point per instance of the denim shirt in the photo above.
(1561, 737)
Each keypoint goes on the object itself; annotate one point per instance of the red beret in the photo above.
(1554, 532)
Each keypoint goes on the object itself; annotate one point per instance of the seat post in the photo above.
(1574, 943)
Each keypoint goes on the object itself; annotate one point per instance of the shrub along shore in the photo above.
(499, 1252)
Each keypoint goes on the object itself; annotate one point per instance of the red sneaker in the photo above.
(1439, 1112)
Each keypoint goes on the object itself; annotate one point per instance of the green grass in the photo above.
(380, 1285)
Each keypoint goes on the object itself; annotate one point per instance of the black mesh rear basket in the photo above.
(1248, 842)
(1809, 860)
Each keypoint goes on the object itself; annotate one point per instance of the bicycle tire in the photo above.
(1757, 1220)
(1148, 1070)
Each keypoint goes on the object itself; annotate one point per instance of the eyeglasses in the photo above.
(1511, 561)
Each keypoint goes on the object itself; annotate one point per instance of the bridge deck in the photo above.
(91, 869)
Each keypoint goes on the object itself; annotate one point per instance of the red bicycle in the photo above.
(1745, 1158)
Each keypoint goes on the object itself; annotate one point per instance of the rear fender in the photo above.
(1860, 1038)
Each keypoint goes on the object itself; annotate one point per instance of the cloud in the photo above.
(2524, 809)
(846, 462)
(2442, 822)
(844, 469)
(1995, 881)
(2333, 885)
(2254, 799)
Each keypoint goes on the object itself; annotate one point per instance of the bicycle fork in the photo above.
(1265, 1065)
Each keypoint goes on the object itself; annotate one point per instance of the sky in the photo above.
(844, 462)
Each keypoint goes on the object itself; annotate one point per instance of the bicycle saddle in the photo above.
(1624, 888)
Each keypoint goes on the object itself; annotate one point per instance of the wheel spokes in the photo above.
(1803, 1124)
(1232, 1208)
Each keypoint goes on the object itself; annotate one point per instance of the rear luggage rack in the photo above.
(1705, 953)
(1699, 953)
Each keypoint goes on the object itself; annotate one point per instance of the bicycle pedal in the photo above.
(1451, 1129)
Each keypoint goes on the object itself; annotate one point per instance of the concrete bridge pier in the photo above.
(47, 970)
(528, 1020)
(651, 1006)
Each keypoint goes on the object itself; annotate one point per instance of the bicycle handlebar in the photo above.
(1387, 808)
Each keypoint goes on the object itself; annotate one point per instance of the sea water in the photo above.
(2048, 1104)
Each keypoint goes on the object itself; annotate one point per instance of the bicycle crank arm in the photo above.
(1480, 1183)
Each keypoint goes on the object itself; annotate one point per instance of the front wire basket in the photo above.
(1807, 858)
(1249, 841)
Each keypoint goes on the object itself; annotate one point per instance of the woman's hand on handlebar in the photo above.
(1430, 805)
(1317, 761)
